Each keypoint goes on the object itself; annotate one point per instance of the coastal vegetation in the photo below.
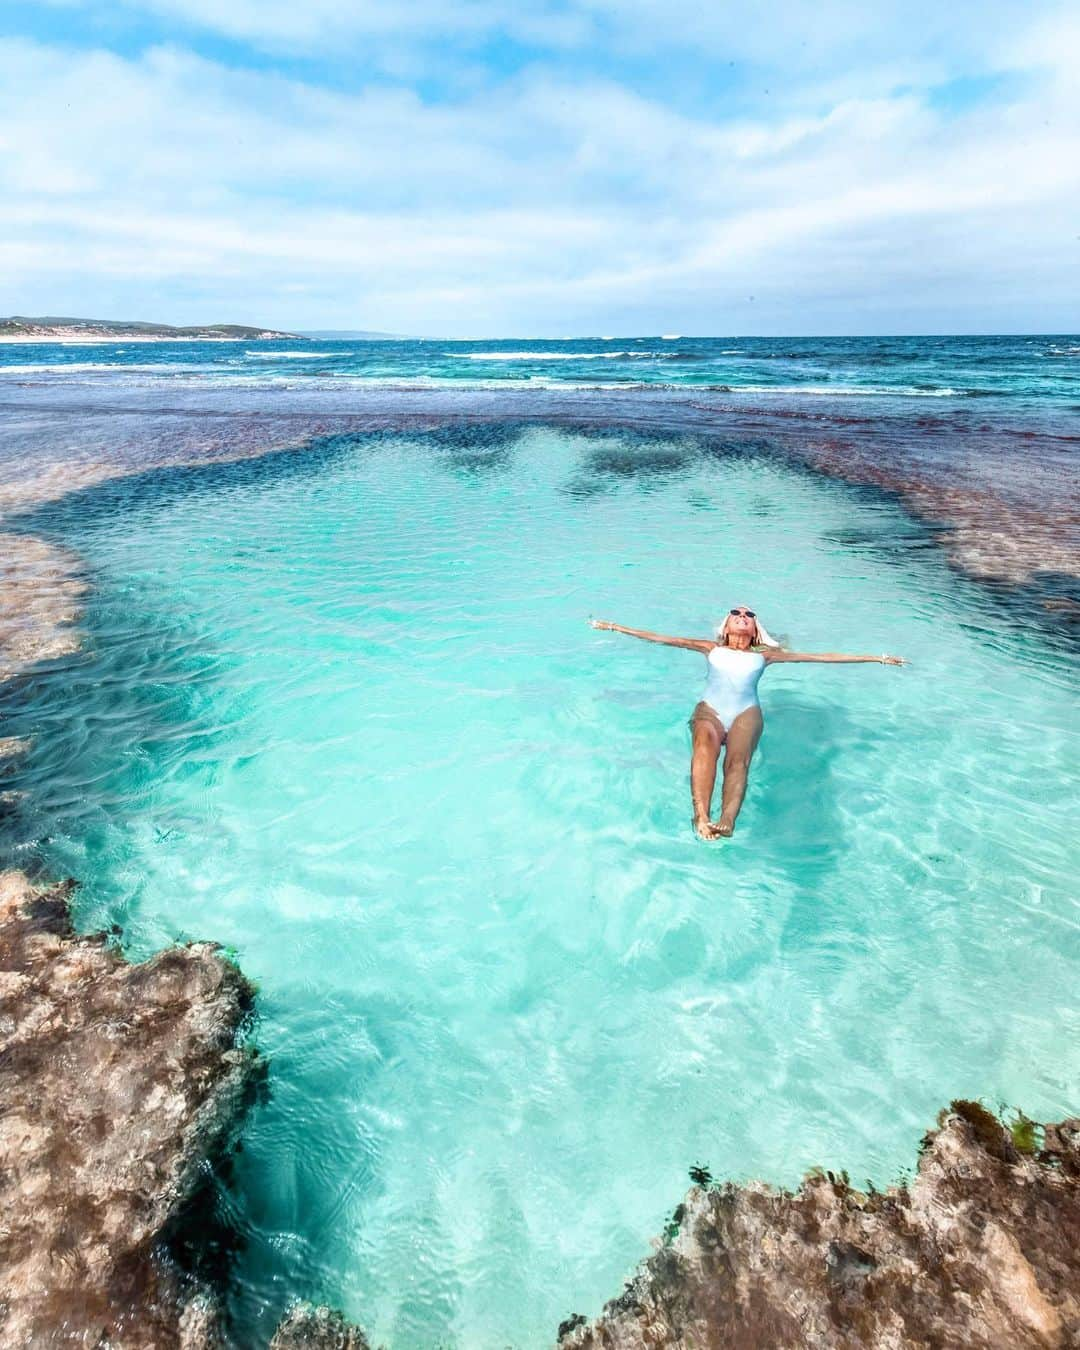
(48, 328)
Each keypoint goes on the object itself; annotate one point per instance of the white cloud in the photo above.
(538, 204)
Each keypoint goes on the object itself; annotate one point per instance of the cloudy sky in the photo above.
(507, 167)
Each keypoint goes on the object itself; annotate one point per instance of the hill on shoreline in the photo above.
(49, 328)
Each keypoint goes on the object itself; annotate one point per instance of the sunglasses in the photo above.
(745, 613)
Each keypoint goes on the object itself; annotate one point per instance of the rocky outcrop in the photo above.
(980, 1252)
(118, 1082)
(309, 1328)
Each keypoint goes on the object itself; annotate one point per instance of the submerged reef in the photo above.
(980, 1251)
(40, 601)
(119, 1082)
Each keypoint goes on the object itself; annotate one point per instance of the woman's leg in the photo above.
(708, 733)
(742, 739)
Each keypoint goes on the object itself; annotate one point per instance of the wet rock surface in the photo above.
(310, 1328)
(980, 1252)
(118, 1082)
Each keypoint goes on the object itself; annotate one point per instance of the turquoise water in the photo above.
(1015, 368)
(343, 712)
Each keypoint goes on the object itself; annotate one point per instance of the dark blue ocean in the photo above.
(1025, 367)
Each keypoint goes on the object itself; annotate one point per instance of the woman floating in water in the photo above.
(729, 712)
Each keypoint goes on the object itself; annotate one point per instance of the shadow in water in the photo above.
(800, 832)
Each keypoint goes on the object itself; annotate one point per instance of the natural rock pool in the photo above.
(342, 711)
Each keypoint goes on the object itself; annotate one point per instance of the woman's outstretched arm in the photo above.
(703, 645)
(832, 658)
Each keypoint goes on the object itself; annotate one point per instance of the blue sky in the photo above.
(484, 167)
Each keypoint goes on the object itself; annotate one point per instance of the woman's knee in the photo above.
(706, 736)
(706, 750)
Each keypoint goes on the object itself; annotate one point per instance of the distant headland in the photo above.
(19, 328)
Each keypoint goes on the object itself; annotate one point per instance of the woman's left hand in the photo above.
(893, 661)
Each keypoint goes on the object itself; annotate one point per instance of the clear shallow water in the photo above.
(343, 712)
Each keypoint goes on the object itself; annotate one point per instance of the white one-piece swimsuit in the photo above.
(732, 682)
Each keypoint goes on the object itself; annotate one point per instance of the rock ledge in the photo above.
(981, 1251)
(119, 1082)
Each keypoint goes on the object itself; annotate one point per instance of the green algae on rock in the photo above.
(982, 1250)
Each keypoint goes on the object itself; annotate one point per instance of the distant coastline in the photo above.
(21, 329)
(78, 339)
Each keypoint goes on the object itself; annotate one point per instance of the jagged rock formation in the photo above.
(981, 1252)
(118, 1082)
(309, 1328)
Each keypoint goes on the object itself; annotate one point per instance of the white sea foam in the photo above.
(899, 391)
(295, 356)
(236, 374)
(560, 356)
(543, 382)
(539, 356)
(407, 382)
(67, 367)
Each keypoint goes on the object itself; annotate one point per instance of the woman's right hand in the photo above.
(603, 624)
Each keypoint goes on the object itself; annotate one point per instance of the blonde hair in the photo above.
(762, 636)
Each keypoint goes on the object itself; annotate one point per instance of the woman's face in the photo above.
(742, 620)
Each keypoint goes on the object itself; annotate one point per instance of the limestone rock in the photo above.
(310, 1328)
(118, 1082)
(982, 1251)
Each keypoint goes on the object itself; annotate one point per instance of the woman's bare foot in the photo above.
(724, 827)
(705, 828)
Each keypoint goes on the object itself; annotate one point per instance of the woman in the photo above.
(729, 713)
